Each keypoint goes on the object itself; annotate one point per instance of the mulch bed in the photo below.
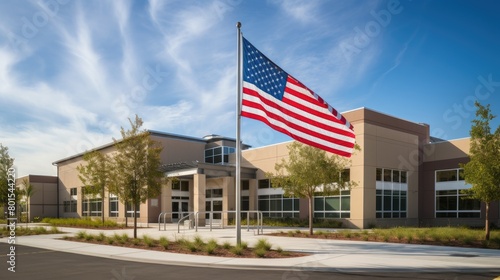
(373, 238)
(174, 247)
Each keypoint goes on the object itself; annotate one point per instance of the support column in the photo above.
(253, 197)
(228, 198)
(166, 200)
(199, 187)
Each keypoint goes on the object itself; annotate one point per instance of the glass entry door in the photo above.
(180, 208)
(214, 206)
(213, 203)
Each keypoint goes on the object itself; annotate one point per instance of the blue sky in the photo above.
(72, 72)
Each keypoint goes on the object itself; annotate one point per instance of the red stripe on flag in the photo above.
(281, 118)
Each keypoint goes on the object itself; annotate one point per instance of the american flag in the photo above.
(282, 102)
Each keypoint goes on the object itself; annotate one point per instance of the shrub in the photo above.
(136, 241)
(263, 244)
(211, 246)
(100, 237)
(150, 242)
(81, 234)
(226, 245)
(237, 250)
(118, 238)
(164, 242)
(198, 241)
(260, 252)
(89, 237)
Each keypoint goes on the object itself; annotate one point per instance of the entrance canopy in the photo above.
(186, 170)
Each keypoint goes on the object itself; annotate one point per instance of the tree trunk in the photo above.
(487, 226)
(311, 215)
(135, 221)
(102, 206)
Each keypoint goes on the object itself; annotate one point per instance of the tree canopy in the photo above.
(309, 171)
(136, 174)
(95, 174)
(6, 162)
(483, 169)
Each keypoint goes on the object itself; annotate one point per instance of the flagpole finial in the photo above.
(238, 24)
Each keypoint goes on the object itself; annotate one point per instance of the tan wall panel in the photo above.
(458, 148)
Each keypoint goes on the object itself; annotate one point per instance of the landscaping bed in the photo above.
(197, 246)
(442, 236)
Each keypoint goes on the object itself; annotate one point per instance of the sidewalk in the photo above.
(325, 255)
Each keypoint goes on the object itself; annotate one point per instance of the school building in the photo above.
(404, 177)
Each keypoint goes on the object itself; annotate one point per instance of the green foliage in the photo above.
(226, 245)
(260, 252)
(95, 174)
(136, 174)
(211, 246)
(150, 242)
(20, 231)
(80, 222)
(100, 237)
(263, 244)
(6, 162)
(483, 169)
(308, 171)
(80, 234)
(237, 250)
(198, 240)
(164, 242)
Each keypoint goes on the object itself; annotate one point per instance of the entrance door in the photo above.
(180, 209)
(213, 203)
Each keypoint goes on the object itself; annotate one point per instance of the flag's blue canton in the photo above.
(262, 72)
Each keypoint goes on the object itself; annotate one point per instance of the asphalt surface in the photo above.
(39, 263)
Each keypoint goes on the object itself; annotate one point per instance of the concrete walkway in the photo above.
(325, 255)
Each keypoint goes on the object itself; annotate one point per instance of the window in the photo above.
(450, 202)
(390, 175)
(213, 193)
(451, 175)
(245, 185)
(245, 203)
(180, 185)
(113, 205)
(391, 203)
(70, 206)
(218, 155)
(391, 193)
(336, 206)
(277, 206)
(264, 184)
(130, 210)
(92, 207)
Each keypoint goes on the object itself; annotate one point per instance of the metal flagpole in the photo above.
(239, 79)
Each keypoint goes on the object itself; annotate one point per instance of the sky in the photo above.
(73, 72)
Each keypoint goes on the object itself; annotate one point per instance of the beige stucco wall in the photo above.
(385, 142)
(43, 202)
(457, 148)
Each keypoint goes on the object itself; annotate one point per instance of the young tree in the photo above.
(6, 162)
(28, 191)
(136, 172)
(483, 169)
(309, 171)
(94, 175)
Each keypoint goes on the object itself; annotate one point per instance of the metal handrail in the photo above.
(182, 219)
(260, 218)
